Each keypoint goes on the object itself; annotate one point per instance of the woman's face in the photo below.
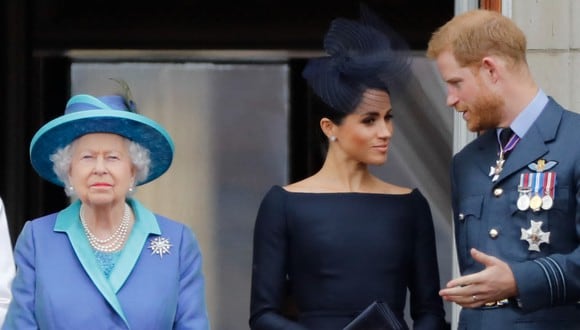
(101, 170)
(365, 134)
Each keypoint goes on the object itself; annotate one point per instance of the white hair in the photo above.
(62, 159)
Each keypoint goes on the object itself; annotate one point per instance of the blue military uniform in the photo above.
(497, 212)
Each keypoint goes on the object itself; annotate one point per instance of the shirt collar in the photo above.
(531, 112)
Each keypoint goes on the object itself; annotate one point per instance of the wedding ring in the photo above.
(474, 298)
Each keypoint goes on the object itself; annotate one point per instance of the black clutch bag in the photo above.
(377, 316)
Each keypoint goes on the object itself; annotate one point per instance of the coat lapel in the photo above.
(145, 224)
(488, 151)
(68, 221)
(533, 145)
(530, 148)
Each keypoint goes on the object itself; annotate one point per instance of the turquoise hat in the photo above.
(85, 114)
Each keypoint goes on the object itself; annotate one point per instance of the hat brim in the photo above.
(63, 130)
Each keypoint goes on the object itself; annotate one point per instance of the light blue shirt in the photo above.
(531, 112)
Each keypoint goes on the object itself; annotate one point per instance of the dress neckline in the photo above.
(343, 193)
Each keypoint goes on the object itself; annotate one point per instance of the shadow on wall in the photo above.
(421, 151)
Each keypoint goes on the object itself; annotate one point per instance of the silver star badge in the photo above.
(160, 246)
(535, 236)
(495, 171)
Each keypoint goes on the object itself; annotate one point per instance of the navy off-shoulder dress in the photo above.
(340, 252)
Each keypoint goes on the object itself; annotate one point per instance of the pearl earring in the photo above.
(332, 138)
(70, 189)
(131, 190)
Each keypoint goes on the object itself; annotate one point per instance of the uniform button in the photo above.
(493, 233)
(497, 192)
(461, 216)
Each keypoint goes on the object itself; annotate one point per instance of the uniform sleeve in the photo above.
(191, 307)
(269, 265)
(21, 310)
(6, 264)
(426, 304)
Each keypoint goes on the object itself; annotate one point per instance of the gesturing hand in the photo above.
(495, 282)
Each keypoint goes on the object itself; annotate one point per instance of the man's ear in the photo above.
(489, 67)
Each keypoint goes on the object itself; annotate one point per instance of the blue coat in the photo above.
(59, 284)
(487, 218)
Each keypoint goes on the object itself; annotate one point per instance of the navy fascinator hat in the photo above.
(85, 114)
(363, 54)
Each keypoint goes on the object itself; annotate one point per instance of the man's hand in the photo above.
(495, 282)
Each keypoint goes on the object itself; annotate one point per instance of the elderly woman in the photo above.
(105, 261)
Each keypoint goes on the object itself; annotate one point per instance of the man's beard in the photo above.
(484, 112)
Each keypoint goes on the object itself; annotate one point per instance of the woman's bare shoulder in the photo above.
(310, 184)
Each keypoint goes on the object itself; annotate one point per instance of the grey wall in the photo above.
(421, 152)
(230, 126)
(229, 123)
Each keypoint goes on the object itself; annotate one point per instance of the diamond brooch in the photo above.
(160, 246)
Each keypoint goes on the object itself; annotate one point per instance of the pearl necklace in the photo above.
(116, 240)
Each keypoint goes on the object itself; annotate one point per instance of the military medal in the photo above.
(547, 202)
(536, 180)
(523, 202)
(536, 203)
(524, 190)
(549, 182)
(495, 171)
(535, 236)
(536, 190)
